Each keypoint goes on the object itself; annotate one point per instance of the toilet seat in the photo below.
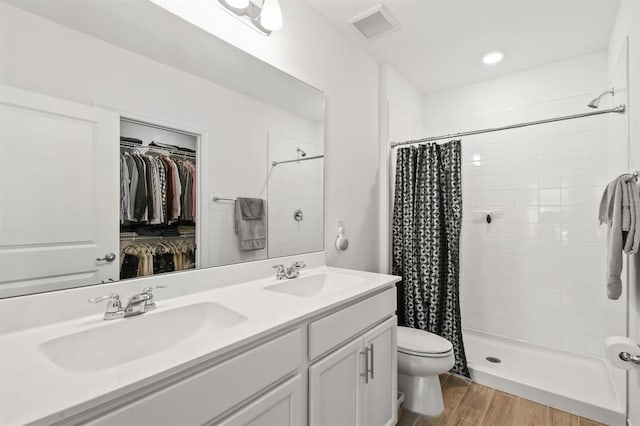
(422, 343)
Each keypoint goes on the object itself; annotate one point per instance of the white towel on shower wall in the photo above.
(620, 210)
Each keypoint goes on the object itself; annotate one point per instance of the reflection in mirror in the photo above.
(295, 194)
(158, 199)
(161, 167)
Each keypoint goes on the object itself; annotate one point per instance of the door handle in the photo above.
(109, 257)
(372, 364)
(626, 356)
(366, 365)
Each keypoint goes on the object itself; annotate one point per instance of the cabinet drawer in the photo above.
(204, 396)
(332, 330)
(281, 406)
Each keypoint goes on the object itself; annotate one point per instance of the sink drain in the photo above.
(493, 359)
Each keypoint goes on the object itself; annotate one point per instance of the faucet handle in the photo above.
(99, 299)
(281, 271)
(114, 306)
(299, 264)
(153, 287)
(149, 304)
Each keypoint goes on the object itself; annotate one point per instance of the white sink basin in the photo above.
(315, 285)
(123, 340)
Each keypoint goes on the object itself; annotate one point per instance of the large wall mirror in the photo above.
(148, 155)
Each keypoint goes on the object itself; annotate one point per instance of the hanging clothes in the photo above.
(156, 257)
(156, 189)
(427, 220)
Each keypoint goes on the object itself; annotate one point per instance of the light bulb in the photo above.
(271, 15)
(238, 4)
(493, 57)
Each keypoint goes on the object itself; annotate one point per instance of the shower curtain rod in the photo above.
(620, 109)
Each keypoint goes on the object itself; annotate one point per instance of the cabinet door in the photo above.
(380, 390)
(59, 192)
(280, 407)
(335, 384)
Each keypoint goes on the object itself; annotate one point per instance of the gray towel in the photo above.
(251, 223)
(620, 210)
(251, 208)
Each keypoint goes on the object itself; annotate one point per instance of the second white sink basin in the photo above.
(124, 340)
(315, 285)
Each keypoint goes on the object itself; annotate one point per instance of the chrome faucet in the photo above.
(294, 270)
(137, 304)
(291, 272)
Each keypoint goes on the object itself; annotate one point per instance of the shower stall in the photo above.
(534, 306)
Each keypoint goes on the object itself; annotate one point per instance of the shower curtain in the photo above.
(427, 218)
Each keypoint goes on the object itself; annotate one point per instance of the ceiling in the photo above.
(441, 42)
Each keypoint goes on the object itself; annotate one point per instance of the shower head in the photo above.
(596, 101)
(301, 152)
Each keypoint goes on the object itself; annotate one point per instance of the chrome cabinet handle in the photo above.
(372, 364)
(626, 356)
(109, 257)
(366, 365)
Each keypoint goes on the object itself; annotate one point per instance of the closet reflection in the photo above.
(158, 200)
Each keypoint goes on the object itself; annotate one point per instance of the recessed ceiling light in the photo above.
(493, 57)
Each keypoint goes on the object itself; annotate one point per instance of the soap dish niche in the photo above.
(487, 216)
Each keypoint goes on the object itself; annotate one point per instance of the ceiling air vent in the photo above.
(375, 22)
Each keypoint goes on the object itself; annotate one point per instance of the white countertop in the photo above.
(34, 389)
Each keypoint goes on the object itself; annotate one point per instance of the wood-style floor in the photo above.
(470, 404)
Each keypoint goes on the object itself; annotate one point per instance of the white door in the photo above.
(380, 388)
(59, 192)
(280, 407)
(633, 396)
(335, 397)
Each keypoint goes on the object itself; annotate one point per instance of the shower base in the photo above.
(570, 382)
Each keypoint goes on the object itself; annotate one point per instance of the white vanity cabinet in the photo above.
(337, 368)
(205, 396)
(281, 406)
(354, 385)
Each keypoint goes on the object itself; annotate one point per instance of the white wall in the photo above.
(627, 26)
(537, 271)
(310, 49)
(45, 57)
(401, 109)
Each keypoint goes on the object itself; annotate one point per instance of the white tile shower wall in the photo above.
(291, 187)
(536, 272)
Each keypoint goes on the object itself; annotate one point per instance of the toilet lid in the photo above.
(421, 342)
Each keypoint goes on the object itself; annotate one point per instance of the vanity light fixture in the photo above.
(493, 58)
(264, 15)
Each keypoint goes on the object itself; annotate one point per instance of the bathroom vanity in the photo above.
(319, 349)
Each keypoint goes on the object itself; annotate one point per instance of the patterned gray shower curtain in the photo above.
(427, 219)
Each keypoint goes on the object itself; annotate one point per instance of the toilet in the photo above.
(422, 356)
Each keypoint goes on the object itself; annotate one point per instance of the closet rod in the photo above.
(155, 237)
(620, 109)
(158, 149)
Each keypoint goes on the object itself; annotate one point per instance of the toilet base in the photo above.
(423, 395)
